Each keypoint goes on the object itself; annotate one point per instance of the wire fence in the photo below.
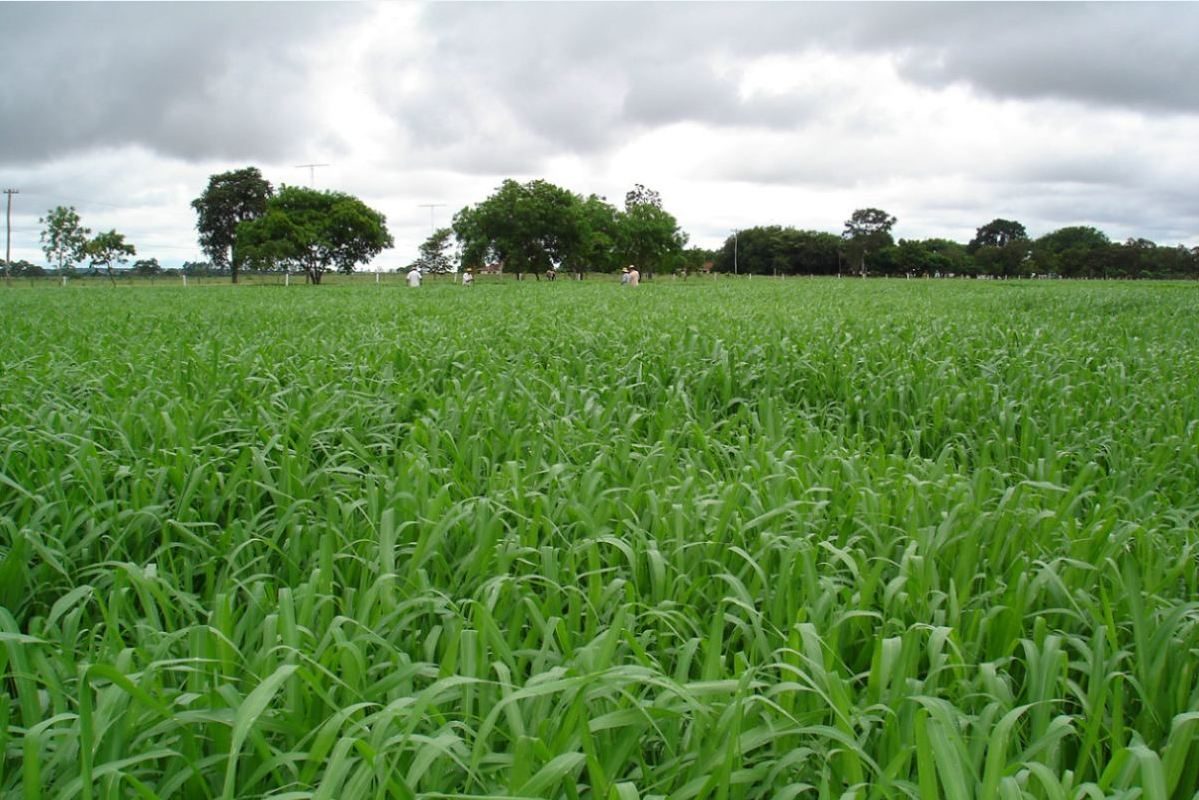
(125, 278)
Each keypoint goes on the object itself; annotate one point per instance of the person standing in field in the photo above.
(413, 277)
(468, 278)
(634, 275)
(624, 276)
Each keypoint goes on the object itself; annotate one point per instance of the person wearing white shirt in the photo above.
(414, 277)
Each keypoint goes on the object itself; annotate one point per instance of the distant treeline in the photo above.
(1000, 248)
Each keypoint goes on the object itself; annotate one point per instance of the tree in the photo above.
(997, 233)
(146, 266)
(1010, 259)
(640, 196)
(933, 256)
(23, 268)
(530, 227)
(649, 237)
(109, 247)
(950, 256)
(867, 230)
(64, 240)
(230, 199)
(434, 256)
(1074, 251)
(596, 221)
(313, 231)
(696, 259)
(196, 268)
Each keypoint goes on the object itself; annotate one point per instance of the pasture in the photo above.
(706, 539)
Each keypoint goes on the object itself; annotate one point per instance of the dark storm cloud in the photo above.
(1137, 56)
(222, 80)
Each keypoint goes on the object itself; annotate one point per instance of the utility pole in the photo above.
(8, 235)
(735, 232)
(311, 172)
(431, 206)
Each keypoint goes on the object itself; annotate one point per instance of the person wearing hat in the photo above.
(624, 276)
(634, 275)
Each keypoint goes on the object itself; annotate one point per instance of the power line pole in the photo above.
(311, 172)
(431, 206)
(8, 234)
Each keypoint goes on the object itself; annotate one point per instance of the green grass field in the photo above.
(714, 539)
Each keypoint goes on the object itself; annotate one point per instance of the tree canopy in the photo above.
(529, 227)
(312, 231)
(868, 230)
(1067, 251)
(64, 239)
(649, 237)
(536, 226)
(230, 199)
(778, 250)
(108, 248)
(146, 266)
(997, 233)
(434, 253)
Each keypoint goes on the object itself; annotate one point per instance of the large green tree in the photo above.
(1001, 247)
(529, 227)
(312, 231)
(997, 233)
(108, 248)
(64, 239)
(230, 199)
(1074, 251)
(867, 230)
(933, 256)
(778, 250)
(596, 220)
(647, 234)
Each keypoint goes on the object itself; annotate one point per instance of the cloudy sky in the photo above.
(946, 115)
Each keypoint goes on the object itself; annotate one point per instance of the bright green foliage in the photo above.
(107, 248)
(710, 539)
(314, 232)
(537, 226)
(599, 230)
(650, 238)
(527, 227)
(64, 239)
